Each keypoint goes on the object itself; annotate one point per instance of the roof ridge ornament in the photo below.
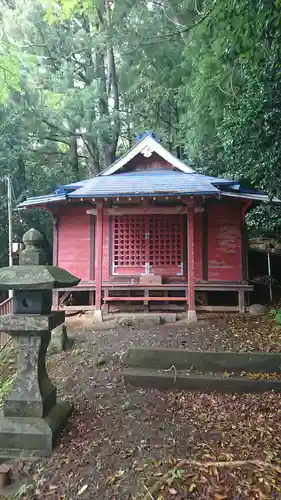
(147, 151)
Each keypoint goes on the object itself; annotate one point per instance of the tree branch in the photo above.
(160, 38)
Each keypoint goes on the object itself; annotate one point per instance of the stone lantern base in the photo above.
(28, 437)
(32, 418)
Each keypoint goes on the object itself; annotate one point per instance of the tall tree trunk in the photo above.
(73, 157)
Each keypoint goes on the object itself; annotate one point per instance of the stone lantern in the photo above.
(32, 417)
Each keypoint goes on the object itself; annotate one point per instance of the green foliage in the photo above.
(78, 80)
(276, 313)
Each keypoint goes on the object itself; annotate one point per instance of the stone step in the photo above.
(162, 358)
(174, 380)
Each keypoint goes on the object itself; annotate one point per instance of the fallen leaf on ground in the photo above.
(83, 489)
(172, 491)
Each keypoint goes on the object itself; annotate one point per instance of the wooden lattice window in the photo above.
(165, 244)
(148, 244)
(129, 244)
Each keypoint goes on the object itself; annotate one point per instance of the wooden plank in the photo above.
(92, 298)
(6, 307)
(165, 307)
(151, 210)
(86, 307)
(141, 299)
(98, 255)
(129, 286)
(198, 286)
(152, 279)
(217, 308)
(223, 287)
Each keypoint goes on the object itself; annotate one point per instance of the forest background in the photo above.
(80, 79)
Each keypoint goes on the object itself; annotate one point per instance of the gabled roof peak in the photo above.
(147, 133)
(146, 146)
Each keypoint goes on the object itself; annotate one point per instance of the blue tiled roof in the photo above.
(75, 185)
(148, 182)
(135, 184)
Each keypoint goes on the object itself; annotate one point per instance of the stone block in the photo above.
(58, 340)
(139, 320)
(201, 383)
(32, 437)
(257, 310)
(33, 393)
(207, 361)
(22, 324)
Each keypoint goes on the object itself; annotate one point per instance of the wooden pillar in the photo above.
(55, 239)
(241, 301)
(98, 259)
(56, 295)
(92, 247)
(191, 265)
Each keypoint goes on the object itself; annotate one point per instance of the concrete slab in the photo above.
(174, 380)
(205, 361)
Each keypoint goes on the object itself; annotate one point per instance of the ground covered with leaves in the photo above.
(145, 444)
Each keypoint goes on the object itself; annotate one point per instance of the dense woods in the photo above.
(80, 79)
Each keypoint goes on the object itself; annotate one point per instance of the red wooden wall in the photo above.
(74, 241)
(223, 245)
(224, 241)
(198, 246)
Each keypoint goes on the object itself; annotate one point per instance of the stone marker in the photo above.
(257, 310)
(32, 418)
(59, 340)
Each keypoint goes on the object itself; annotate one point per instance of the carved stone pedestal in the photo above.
(32, 418)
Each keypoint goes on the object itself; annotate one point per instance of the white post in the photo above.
(269, 274)
(10, 226)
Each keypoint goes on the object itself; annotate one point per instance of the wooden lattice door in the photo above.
(129, 244)
(148, 244)
(166, 245)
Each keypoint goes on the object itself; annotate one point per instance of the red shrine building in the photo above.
(149, 232)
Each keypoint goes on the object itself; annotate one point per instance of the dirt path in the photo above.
(119, 444)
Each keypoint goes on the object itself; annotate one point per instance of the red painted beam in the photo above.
(145, 210)
(98, 255)
(167, 299)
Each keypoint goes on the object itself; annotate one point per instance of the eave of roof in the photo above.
(42, 200)
(251, 196)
